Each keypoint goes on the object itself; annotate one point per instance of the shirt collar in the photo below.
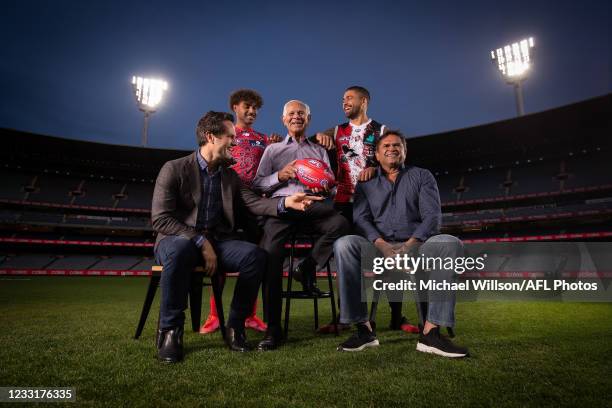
(289, 140)
(203, 164)
(379, 170)
(239, 129)
(201, 161)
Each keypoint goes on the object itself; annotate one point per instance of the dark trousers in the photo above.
(346, 210)
(320, 219)
(179, 256)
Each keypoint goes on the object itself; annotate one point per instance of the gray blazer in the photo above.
(177, 195)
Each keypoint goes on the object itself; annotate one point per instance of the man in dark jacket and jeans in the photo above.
(193, 209)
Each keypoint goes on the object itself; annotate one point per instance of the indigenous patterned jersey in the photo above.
(249, 148)
(355, 146)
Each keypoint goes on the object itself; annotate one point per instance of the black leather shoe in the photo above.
(271, 341)
(306, 273)
(170, 345)
(236, 340)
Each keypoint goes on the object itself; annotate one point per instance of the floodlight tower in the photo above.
(149, 93)
(513, 61)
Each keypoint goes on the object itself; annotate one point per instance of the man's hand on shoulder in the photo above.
(325, 140)
(274, 138)
(367, 174)
(300, 201)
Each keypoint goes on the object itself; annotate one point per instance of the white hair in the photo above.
(306, 107)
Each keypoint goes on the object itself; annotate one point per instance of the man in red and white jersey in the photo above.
(354, 143)
(250, 145)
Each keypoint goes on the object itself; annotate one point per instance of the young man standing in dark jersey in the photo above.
(250, 145)
(354, 143)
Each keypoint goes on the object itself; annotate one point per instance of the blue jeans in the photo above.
(179, 256)
(351, 282)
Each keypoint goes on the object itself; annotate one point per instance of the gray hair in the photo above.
(306, 107)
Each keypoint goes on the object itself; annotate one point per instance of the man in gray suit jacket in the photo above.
(193, 209)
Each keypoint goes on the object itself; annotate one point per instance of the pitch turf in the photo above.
(78, 332)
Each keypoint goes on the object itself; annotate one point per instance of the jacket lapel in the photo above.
(193, 179)
(227, 196)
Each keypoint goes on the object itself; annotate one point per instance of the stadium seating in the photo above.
(144, 265)
(99, 193)
(74, 262)
(446, 186)
(530, 178)
(118, 262)
(102, 193)
(13, 183)
(54, 188)
(138, 196)
(585, 170)
(479, 184)
(31, 261)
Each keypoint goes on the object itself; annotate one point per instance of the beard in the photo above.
(353, 113)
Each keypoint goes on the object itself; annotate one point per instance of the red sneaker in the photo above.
(211, 325)
(255, 323)
(409, 328)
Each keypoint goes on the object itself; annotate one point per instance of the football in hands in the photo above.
(314, 173)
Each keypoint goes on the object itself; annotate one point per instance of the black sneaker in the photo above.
(435, 343)
(360, 341)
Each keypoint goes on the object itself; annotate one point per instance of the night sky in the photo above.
(66, 66)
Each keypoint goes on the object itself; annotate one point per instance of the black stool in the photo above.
(195, 298)
(298, 294)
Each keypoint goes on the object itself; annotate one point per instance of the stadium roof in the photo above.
(552, 133)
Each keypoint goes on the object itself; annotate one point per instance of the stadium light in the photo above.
(514, 61)
(149, 93)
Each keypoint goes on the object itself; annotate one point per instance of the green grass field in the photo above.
(59, 331)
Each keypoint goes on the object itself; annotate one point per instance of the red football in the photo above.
(314, 173)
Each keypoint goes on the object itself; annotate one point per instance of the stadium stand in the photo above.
(79, 206)
(584, 170)
(531, 178)
(137, 196)
(73, 262)
(144, 265)
(34, 261)
(53, 188)
(480, 184)
(118, 262)
(13, 184)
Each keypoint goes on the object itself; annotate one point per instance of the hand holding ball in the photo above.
(314, 174)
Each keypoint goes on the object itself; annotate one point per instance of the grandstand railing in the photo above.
(44, 204)
(520, 197)
(535, 217)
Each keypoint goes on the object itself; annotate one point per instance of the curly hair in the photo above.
(211, 122)
(247, 95)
